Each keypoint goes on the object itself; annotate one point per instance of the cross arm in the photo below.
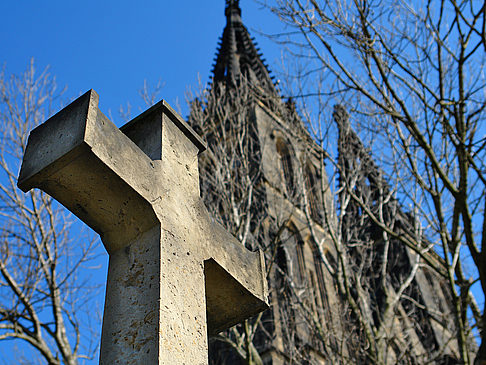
(235, 279)
(83, 160)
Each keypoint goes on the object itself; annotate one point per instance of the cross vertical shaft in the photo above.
(174, 274)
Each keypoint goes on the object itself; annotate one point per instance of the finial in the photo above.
(341, 117)
(233, 11)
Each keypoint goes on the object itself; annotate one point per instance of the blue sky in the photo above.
(112, 47)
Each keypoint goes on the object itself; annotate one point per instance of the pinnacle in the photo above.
(233, 4)
(233, 11)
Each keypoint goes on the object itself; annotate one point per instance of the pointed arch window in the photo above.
(286, 165)
(312, 186)
(320, 290)
(282, 260)
(298, 245)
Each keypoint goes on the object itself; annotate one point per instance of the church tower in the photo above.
(263, 177)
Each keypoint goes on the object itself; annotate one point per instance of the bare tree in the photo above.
(43, 289)
(383, 288)
(360, 322)
(233, 186)
(413, 72)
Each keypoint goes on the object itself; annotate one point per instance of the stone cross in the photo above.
(174, 275)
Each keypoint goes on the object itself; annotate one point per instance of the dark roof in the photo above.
(237, 54)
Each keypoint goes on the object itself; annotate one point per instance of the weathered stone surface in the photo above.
(174, 274)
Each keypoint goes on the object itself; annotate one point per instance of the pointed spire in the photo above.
(233, 11)
(341, 117)
(237, 55)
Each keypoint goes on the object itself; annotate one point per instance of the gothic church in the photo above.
(264, 178)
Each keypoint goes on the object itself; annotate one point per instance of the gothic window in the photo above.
(301, 259)
(286, 165)
(292, 245)
(311, 185)
(314, 292)
(282, 260)
(321, 283)
(282, 290)
(299, 248)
